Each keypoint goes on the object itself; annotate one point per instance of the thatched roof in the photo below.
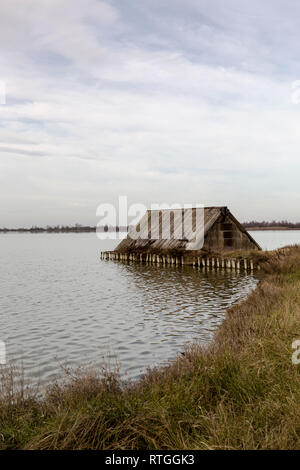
(149, 235)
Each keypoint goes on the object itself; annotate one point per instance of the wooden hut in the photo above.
(217, 230)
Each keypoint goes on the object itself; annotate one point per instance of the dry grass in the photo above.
(242, 392)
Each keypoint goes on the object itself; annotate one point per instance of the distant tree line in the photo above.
(274, 223)
(77, 228)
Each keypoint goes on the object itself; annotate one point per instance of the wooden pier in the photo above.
(207, 261)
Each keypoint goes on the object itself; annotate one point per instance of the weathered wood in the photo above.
(206, 261)
(220, 229)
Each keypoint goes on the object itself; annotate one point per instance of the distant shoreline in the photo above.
(79, 229)
(121, 230)
(253, 229)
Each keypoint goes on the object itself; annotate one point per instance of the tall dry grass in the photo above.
(241, 392)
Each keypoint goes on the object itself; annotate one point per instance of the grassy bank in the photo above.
(242, 392)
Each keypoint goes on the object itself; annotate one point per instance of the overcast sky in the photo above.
(160, 100)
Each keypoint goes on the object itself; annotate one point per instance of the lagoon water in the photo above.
(273, 239)
(61, 305)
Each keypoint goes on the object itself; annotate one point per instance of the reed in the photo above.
(240, 392)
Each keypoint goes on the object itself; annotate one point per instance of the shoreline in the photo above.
(93, 230)
(240, 392)
(274, 229)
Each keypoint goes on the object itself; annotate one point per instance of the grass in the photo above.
(241, 392)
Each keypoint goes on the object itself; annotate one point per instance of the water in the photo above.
(273, 239)
(61, 305)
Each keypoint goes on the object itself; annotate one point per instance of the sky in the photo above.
(162, 101)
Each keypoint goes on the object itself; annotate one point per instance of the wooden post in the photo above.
(238, 265)
(245, 264)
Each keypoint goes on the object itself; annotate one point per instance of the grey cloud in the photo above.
(170, 100)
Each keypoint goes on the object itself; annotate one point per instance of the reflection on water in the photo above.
(60, 303)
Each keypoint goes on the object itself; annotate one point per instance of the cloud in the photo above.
(162, 102)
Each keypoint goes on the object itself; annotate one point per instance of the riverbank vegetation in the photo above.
(241, 392)
(274, 225)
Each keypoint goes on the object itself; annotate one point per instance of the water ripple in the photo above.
(60, 304)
